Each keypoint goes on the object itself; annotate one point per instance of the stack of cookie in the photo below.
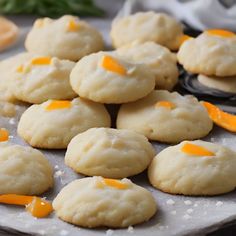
(212, 55)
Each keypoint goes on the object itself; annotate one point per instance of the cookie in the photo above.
(54, 123)
(225, 84)
(6, 71)
(103, 77)
(110, 153)
(166, 117)
(212, 53)
(67, 38)
(147, 26)
(158, 58)
(194, 168)
(42, 78)
(95, 201)
(23, 170)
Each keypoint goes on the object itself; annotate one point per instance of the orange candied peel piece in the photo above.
(58, 104)
(165, 104)
(221, 33)
(184, 38)
(114, 183)
(111, 64)
(4, 135)
(220, 118)
(38, 207)
(73, 25)
(41, 61)
(196, 150)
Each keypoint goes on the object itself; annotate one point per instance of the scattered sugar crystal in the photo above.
(161, 227)
(109, 232)
(11, 137)
(58, 173)
(130, 229)
(173, 212)
(56, 167)
(12, 121)
(64, 232)
(219, 203)
(195, 205)
(190, 210)
(187, 217)
(170, 202)
(188, 202)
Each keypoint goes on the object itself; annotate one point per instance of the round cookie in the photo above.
(226, 84)
(6, 71)
(42, 78)
(110, 153)
(67, 38)
(210, 53)
(54, 123)
(95, 201)
(158, 58)
(194, 168)
(103, 77)
(23, 170)
(147, 26)
(166, 117)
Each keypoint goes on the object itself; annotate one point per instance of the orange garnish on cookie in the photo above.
(165, 104)
(221, 33)
(193, 149)
(221, 118)
(58, 104)
(184, 38)
(36, 206)
(115, 183)
(111, 64)
(4, 135)
(41, 61)
(73, 25)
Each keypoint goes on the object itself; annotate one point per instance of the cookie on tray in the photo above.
(110, 153)
(67, 38)
(42, 78)
(96, 201)
(212, 53)
(23, 170)
(194, 168)
(225, 84)
(166, 117)
(147, 26)
(106, 78)
(54, 123)
(159, 59)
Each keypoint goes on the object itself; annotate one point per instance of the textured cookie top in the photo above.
(158, 58)
(104, 77)
(109, 153)
(147, 26)
(67, 38)
(23, 170)
(41, 78)
(194, 168)
(94, 202)
(211, 53)
(167, 117)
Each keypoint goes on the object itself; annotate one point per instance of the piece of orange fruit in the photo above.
(9, 33)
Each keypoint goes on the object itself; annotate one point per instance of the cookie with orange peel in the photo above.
(212, 53)
(107, 78)
(194, 168)
(54, 123)
(166, 117)
(98, 202)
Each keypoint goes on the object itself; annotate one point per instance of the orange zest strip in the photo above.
(4, 135)
(165, 104)
(38, 207)
(41, 61)
(58, 104)
(20, 69)
(115, 183)
(73, 26)
(221, 118)
(221, 32)
(110, 64)
(184, 38)
(193, 149)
